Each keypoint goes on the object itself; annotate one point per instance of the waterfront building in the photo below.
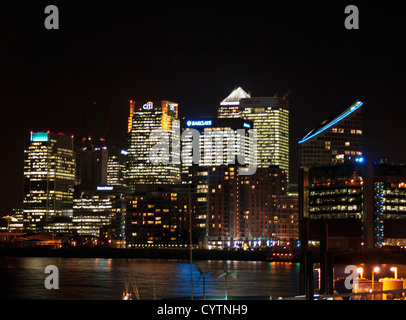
(335, 140)
(234, 210)
(49, 175)
(286, 220)
(357, 204)
(229, 107)
(160, 216)
(389, 204)
(334, 204)
(148, 117)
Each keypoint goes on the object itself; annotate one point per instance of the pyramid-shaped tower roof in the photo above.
(236, 95)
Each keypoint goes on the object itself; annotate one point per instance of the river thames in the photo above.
(105, 279)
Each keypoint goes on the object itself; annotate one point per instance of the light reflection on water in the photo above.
(99, 279)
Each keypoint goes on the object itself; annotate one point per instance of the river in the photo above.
(104, 279)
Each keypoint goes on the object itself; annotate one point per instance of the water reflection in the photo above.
(23, 278)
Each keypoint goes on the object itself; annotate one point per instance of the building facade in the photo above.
(217, 142)
(49, 176)
(229, 107)
(234, 210)
(335, 140)
(286, 220)
(358, 204)
(99, 207)
(149, 118)
(160, 217)
(270, 118)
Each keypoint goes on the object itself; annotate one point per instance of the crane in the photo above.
(103, 137)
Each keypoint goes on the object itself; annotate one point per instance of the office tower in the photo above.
(49, 175)
(336, 139)
(98, 207)
(270, 118)
(150, 123)
(91, 164)
(116, 167)
(220, 141)
(229, 107)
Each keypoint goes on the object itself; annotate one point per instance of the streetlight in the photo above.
(375, 270)
(395, 270)
(360, 271)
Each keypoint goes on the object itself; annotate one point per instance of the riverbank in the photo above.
(377, 256)
(144, 253)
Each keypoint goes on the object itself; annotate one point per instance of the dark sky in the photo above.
(196, 53)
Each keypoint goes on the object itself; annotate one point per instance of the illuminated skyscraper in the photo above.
(221, 142)
(116, 167)
(229, 107)
(336, 139)
(270, 118)
(147, 118)
(49, 175)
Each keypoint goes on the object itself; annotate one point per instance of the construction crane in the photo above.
(103, 137)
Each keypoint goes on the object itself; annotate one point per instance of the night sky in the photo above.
(195, 53)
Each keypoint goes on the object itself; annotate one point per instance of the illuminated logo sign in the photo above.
(199, 123)
(105, 188)
(39, 137)
(246, 125)
(148, 106)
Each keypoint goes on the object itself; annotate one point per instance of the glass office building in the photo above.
(147, 118)
(49, 175)
(270, 118)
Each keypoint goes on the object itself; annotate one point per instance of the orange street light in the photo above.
(360, 272)
(395, 270)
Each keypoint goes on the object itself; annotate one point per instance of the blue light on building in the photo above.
(199, 123)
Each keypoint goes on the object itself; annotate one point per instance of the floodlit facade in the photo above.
(160, 217)
(234, 210)
(363, 204)
(336, 139)
(116, 167)
(49, 175)
(147, 117)
(220, 141)
(229, 107)
(270, 118)
(100, 207)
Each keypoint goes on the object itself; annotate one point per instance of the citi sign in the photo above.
(148, 106)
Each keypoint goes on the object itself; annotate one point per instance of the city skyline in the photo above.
(51, 79)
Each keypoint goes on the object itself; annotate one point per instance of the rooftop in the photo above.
(332, 121)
